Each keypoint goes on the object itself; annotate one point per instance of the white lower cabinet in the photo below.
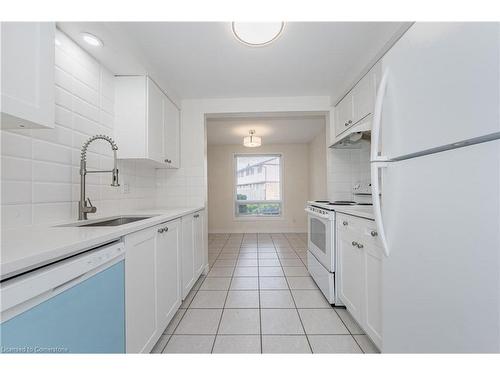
(351, 276)
(152, 284)
(193, 249)
(140, 290)
(168, 275)
(360, 283)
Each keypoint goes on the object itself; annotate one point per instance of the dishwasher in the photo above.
(76, 305)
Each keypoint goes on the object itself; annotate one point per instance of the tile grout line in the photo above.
(225, 300)
(258, 288)
(293, 299)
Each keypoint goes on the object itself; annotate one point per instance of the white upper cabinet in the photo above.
(171, 124)
(27, 69)
(357, 105)
(146, 122)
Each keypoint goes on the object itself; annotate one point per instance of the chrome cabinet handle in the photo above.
(349, 122)
(360, 246)
(346, 124)
(354, 243)
(168, 161)
(345, 223)
(196, 216)
(374, 233)
(161, 230)
(165, 229)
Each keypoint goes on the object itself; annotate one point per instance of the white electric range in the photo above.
(321, 255)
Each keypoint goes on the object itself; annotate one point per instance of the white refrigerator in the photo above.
(436, 188)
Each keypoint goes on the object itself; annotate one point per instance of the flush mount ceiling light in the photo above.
(257, 34)
(92, 40)
(252, 140)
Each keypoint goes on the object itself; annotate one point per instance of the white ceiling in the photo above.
(273, 129)
(204, 60)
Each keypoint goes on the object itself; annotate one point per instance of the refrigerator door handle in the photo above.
(377, 120)
(375, 167)
(378, 161)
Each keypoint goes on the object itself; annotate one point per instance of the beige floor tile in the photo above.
(269, 263)
(271, 271)
(242, 299)
(310, 299)
(225, 263)
(322, 321)
(221, 272)
(278, 299)
(273, 283)
(301, 283)
(209, 299)
(285, 344)
(247, 256)
(190, 344)
(268, 255)
(240, 322)
(216, 283)
(199, 322)
(185, 304)
(237, 344)
(333, 344)
(247, 263)
(296, 271)
(246, 272)
(349, 321)
(245, 283)
(291, 263)
(280, 322)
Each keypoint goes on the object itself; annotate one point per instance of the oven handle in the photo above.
(312, 213)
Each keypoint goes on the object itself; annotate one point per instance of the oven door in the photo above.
(320, 238)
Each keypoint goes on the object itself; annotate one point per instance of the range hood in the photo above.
(353, 137)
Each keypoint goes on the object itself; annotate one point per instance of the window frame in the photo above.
(236, 216)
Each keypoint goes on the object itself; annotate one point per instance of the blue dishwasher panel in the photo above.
(87, 318)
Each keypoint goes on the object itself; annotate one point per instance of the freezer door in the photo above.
(440, 283)
(442, 86)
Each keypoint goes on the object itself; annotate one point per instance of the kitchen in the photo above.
(156, 203)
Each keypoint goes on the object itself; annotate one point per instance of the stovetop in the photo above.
(330, 205)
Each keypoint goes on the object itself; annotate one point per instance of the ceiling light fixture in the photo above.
(252, 140)
(92, 40)
(256, 34)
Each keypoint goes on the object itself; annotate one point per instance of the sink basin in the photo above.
(108, 222)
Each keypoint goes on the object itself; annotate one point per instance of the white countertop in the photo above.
(365, 212)
(27, 248)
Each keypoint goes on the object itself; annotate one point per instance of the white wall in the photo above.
(40, 168)
(295, 161)
(317, 167)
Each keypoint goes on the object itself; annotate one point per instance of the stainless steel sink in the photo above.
(108, 222)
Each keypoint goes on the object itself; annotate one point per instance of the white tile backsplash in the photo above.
(345, 168)
(40, 168)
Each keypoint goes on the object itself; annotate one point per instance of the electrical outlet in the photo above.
(125, 188)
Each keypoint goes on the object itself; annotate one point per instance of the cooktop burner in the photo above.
(342, 203)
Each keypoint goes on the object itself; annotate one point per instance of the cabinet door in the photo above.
(187, 258)
(140, 295)
(27, 69)
(343, 114)
(171, 118)
(372, 299)
(199, 248)
(155, 145)
(363, 98)
(351, 275)
(168, 286)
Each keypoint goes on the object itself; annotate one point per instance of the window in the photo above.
(258, 193)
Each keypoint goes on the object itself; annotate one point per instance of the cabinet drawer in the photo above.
(362, 230)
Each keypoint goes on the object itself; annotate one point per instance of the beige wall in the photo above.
(221, 184)
(317, 167)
